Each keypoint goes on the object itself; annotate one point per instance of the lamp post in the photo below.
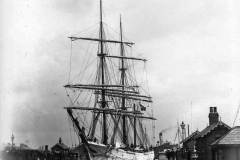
(194, 154)
(12, 140)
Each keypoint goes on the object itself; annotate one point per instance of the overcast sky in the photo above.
(192, 46)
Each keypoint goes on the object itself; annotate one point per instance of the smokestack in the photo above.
(46, 147)
(160, 138)
(213, 115)
(188, 128)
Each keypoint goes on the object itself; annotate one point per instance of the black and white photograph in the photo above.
(119, 80)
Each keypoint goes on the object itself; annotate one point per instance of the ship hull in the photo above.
(119, 154)
(102, 152)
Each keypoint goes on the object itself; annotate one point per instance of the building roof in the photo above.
(231, 138)
(193, 135)
(61, 145)
(210, 128)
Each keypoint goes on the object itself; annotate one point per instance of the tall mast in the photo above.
(122, 70)
(102, 60)
(134, 128)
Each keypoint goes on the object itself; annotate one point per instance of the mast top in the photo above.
(100, 11)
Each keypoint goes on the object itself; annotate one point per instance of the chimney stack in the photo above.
(213, 115)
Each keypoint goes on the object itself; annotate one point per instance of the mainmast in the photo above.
(102, 61)
(122, 70)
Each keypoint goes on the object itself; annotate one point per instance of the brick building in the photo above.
(215, 130)
(189, 142)
(202, 140)
(188, 145)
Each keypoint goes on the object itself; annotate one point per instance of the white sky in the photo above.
(192, 46)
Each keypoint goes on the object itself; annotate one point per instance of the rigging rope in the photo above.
(70, 64)
(69, 96)
(70, 131)
(236, 115)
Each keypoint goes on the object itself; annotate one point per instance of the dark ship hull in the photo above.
(103, 152)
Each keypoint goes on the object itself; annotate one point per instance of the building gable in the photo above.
(231, 138)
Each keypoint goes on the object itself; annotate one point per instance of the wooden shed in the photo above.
(228, 146)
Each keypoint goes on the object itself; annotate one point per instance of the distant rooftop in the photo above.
(61, 145)
(193, 135)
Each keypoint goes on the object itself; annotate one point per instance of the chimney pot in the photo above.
(211, 109)
(215, 109)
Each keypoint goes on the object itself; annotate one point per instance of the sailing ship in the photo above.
(118, 108)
